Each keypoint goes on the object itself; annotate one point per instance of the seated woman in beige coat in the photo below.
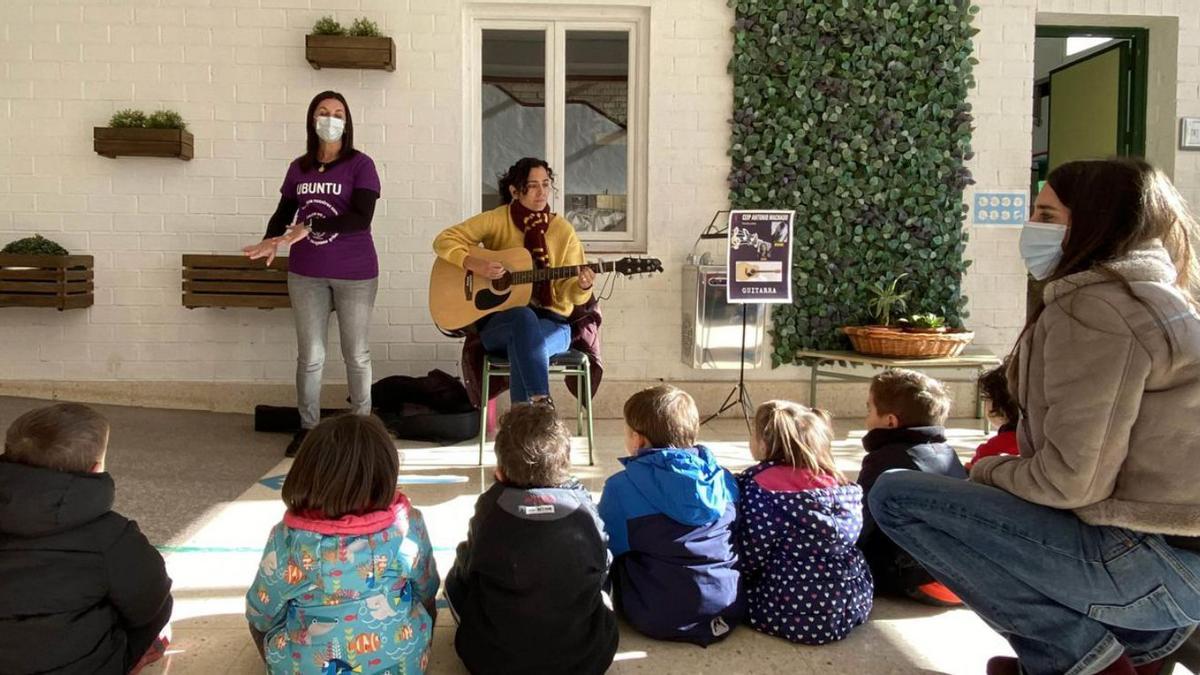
(1084, 551)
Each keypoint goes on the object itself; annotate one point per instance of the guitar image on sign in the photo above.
(458, 298)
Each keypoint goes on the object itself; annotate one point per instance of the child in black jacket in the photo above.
(526, 586)
(906, 411)
(81, 590)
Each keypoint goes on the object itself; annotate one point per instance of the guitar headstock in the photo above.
(630, 266)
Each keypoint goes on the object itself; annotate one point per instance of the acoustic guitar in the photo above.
(458, 297)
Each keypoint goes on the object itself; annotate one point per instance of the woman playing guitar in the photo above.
(528, 336)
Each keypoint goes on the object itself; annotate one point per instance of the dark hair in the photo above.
(665, 415)
(310, 159)
(518, 174)
(346, 465)
(63, 437)
(533, 448)
(993, 385)
(916, 399)
(797, 436)
(1117, 205)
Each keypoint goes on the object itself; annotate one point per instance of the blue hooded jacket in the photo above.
(670, 517)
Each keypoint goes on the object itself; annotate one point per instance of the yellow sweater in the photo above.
(496, 231)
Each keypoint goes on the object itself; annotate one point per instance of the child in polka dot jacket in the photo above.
(803, 577)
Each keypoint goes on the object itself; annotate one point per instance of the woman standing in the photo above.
(1084, 551)
(325, 209)
(528, 336)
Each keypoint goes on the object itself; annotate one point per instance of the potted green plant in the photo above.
(132, 132)
(886, 301)
(330, 45)
(922, 335)
(38, 272)
(923, 323)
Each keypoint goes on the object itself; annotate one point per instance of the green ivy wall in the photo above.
(854, 113)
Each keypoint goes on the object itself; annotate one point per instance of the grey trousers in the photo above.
(313, 300)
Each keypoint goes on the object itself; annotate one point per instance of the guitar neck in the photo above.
(550, 273)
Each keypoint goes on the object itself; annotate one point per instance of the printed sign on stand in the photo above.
(759, 258)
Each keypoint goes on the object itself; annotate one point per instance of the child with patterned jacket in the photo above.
(347, 581)
(803, 576)
(527, 584)
(670, 517)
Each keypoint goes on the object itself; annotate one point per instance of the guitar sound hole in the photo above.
(486, 300)
(503, 283)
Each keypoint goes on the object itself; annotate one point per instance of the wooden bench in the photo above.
(819, 362)
(58, 281)
(234, 281)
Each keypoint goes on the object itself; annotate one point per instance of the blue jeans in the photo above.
(1069, 597)
(528, 341)
(313, 299)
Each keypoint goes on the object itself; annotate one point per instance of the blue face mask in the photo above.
(1041, 247)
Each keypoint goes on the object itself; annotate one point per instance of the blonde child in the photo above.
(347, 580)
(803, 577)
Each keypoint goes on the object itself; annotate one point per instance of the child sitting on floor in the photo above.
(81, 589)
(804, 578)
(347, 580)
(670, 517)
(1002, 411)
(527, 584)
(906, 411)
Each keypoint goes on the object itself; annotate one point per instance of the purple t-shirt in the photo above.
(332, 255)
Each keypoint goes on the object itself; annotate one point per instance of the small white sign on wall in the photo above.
(1000, 209)
(1189, 133)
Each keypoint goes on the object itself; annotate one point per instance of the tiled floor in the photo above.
(193, 481)
(213, 567)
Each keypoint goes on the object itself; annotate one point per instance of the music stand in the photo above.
(739, 395)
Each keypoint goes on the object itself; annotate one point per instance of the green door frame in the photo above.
(1139, 54)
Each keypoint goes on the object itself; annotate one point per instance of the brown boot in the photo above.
(1007, 665)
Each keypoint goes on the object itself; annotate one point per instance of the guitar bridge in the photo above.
(469, 286)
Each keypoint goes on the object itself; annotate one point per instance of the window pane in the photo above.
(514, 103)
(597, 103)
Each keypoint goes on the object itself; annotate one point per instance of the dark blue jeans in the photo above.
(1069, 597)
(528, 341)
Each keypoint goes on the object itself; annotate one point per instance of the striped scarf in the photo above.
(534, 224)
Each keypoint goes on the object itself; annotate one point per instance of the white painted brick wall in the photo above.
(235, 69)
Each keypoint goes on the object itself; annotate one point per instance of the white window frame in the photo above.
(556, 21)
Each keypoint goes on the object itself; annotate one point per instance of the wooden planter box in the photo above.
(111, 142)
(58, 281)
(344, 51)
(234, 281)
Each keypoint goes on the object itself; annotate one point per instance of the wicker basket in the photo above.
(883, 341)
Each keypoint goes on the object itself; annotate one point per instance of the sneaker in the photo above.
(934, 593)
(295, 444)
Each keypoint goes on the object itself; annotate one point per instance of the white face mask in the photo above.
(1041, 247)
(330, 129)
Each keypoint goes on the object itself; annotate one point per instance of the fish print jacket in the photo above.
(355, 594)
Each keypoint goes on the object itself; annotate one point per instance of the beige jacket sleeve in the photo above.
(454, 243)
(1094, 375)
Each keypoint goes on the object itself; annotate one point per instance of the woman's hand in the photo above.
(294, 233)
(267, 248)
(485, 268)
(587, 277)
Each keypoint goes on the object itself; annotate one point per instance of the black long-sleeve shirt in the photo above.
(358, 218)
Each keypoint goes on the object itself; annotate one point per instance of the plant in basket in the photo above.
(924, 323)
(886, 301)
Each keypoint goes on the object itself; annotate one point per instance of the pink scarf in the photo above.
(351, 525)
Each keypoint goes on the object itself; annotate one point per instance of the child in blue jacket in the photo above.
(804, 577)
(670, 517)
